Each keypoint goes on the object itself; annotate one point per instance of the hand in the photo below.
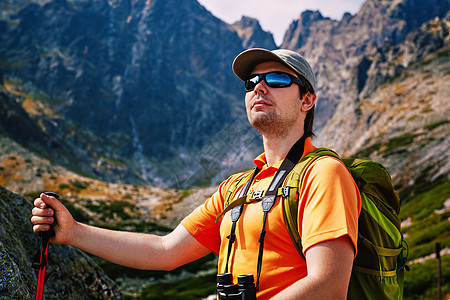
(43, 217)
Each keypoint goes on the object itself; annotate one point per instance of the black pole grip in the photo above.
(51, 232)
(40, 259)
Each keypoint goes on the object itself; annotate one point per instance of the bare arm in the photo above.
(135, 250)
(329, 268)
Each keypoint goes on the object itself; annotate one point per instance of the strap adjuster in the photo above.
(257, 195)
(285, 192)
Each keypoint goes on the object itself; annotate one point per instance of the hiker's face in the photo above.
(274, 111)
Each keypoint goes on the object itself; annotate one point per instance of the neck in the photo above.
(276, 148)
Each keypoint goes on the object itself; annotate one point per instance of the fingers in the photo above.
(40, 224)
(42, 216)
(42, 219)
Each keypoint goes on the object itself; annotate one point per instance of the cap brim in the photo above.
(245, 62)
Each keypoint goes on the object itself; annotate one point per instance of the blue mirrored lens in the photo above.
(278, 80)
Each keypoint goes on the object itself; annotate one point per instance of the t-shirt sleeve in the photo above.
(329, 204)
(201, 223)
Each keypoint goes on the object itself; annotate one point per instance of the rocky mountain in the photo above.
(251, 33)
(334, 47)
(403, 105)
(127, 73)
(144, 102)
(70, 272)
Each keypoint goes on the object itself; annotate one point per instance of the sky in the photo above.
(275, 16)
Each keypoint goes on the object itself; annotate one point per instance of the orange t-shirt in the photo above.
(329, 206)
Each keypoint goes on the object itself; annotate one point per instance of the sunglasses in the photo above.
(273, 79)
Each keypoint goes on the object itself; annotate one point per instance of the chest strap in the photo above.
(253, 197)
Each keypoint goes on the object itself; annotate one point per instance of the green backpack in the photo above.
(379, 265)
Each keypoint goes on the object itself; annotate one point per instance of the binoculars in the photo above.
(244, 290)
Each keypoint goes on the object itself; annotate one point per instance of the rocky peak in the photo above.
(333, 48)
(402, 87)
(300, 30)
(252, 35)
(346, 18)
(384, 21)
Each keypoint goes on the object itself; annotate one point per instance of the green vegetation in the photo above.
(437, 124)
(423, 204)
(425, 62)
(399, 141)
(79, 185)
(394, 145)
(112, 210)
(365, 153)
(189, 288)
(429, 225)
(77, 213)
(119, 162)
(421, 280)
(63, 186)
(195, 280)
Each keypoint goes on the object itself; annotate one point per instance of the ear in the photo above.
(308, 101)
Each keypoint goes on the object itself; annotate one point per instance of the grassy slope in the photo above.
(429, 223)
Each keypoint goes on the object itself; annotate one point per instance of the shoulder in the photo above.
(328, 163)
(329, 169)
(233, 180)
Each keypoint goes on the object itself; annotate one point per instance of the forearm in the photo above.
(310, 288)
(131, 249)
(138, 250)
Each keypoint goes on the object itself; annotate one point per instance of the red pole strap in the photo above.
(42, 267)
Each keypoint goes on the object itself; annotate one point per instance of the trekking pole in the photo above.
(40, 260)
(439, 274)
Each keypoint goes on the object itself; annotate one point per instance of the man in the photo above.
(280, 98)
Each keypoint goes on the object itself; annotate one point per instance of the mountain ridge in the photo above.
(336, 46)
(129, 57)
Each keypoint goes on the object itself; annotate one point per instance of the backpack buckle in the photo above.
(285, 192)
(257, 195)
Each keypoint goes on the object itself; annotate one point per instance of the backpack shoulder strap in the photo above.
(233, 187)
(290, 200)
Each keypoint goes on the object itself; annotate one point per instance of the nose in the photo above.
(260, 88)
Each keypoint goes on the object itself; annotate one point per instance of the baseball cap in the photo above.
(247, 60)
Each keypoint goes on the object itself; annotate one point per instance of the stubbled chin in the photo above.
(270, 124)
(261, 119)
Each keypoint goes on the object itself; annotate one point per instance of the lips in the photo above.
(261, 103)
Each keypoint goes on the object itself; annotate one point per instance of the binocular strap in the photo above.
(292, 158)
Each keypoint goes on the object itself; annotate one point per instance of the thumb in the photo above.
(51, 201)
